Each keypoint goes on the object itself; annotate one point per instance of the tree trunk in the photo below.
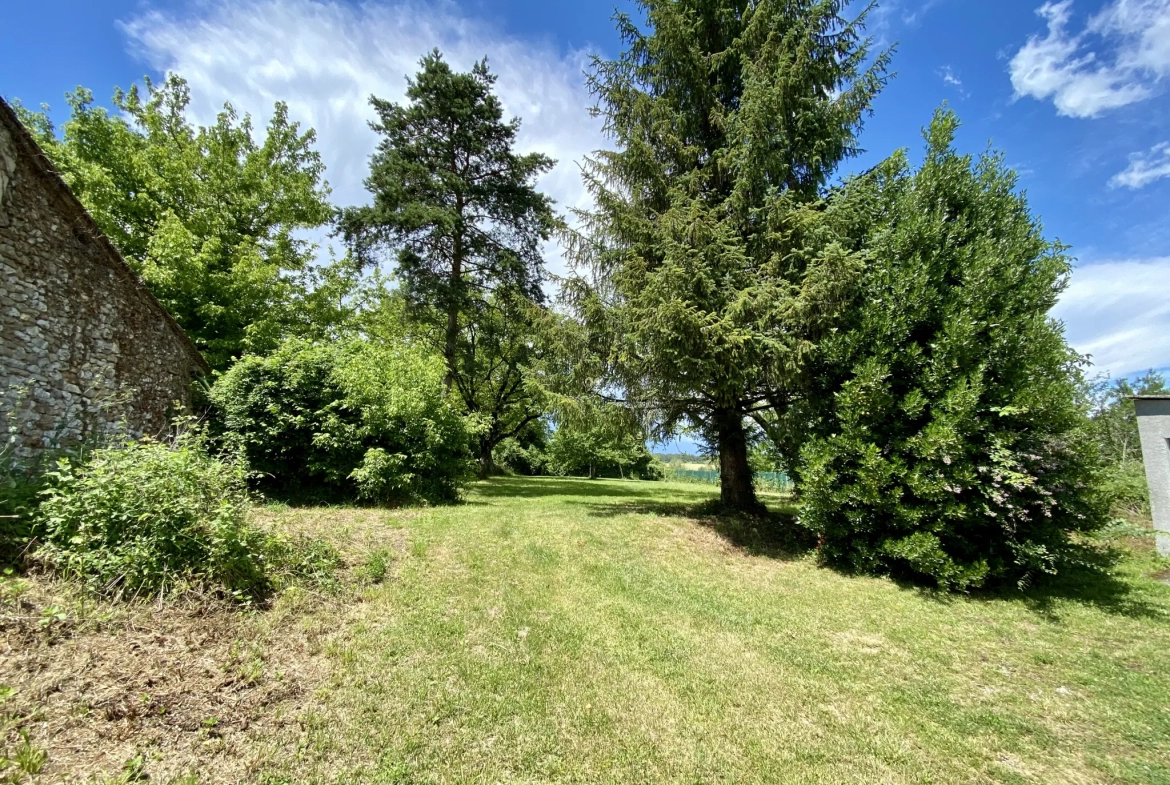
(487, 462)
(735, 475)
(453, 315)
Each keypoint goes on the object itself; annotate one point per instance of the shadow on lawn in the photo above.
(539, 487)
(1096, 584)
(776, 535)
(773, 534)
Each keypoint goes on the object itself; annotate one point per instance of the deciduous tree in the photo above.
(209, 216)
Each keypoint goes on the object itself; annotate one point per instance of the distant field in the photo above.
(575, 631)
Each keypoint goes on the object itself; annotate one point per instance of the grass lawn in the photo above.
(555, 630)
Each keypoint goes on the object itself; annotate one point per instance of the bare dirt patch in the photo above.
(119, 692)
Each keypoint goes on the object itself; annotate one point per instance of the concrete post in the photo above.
(1153, 416)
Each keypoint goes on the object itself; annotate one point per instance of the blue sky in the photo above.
(1075, 93)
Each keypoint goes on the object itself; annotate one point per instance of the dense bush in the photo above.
(146, 518)
(526, 453)
(948, 441)
(336, 422)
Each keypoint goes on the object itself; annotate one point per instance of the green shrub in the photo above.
(1126, 486)
(946, 439)
(147, 518)
(20, 487)
(525, 453)
(335, 422)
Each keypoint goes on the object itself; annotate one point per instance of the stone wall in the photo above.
(84, 348)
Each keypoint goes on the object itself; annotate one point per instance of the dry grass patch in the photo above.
(185, 690)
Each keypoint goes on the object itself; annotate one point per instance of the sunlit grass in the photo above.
(556, 630)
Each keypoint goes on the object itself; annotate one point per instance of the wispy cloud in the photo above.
(1118, 312)
(1144, 168)
(326, 57)
(950, 79)
(1118, 59)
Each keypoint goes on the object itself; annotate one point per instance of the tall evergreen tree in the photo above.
(709, 270)
(457, 208)
(942, 432)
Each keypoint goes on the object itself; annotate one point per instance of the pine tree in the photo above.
(709, 270)
(458, 209)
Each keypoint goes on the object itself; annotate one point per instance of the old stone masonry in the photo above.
(85, 349)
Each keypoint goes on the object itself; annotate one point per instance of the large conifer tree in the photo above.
(729, 117)
(457, 208)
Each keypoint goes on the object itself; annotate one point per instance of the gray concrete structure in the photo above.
(1153, 416)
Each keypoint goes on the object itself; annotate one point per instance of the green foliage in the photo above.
(457, 209)
(377, 565)
(601, 442)
(23, 760)
(949, 440)
(1114, 429)
(146, 518)
(23, 476)
(20, 487)
(338, 421)
(729, 117)
(526, 452)
(208, 216)
(1114, 419)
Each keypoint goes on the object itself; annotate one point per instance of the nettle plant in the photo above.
(145, 518)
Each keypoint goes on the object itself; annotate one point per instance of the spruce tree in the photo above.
(729, 117)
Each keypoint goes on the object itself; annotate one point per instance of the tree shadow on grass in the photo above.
(1095, 584)
(776, 534)
(540, 487)
(772, 534)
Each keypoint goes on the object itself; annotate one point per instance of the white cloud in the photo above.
(326, 57)
(950, 79)
(908, 12)
(1119, 313)
(1144, 169)
(1117, 60)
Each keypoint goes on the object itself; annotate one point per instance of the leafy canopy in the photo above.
(210, 217)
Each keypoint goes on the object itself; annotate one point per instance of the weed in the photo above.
(376, 565)
(148, 518)
(24, 760)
